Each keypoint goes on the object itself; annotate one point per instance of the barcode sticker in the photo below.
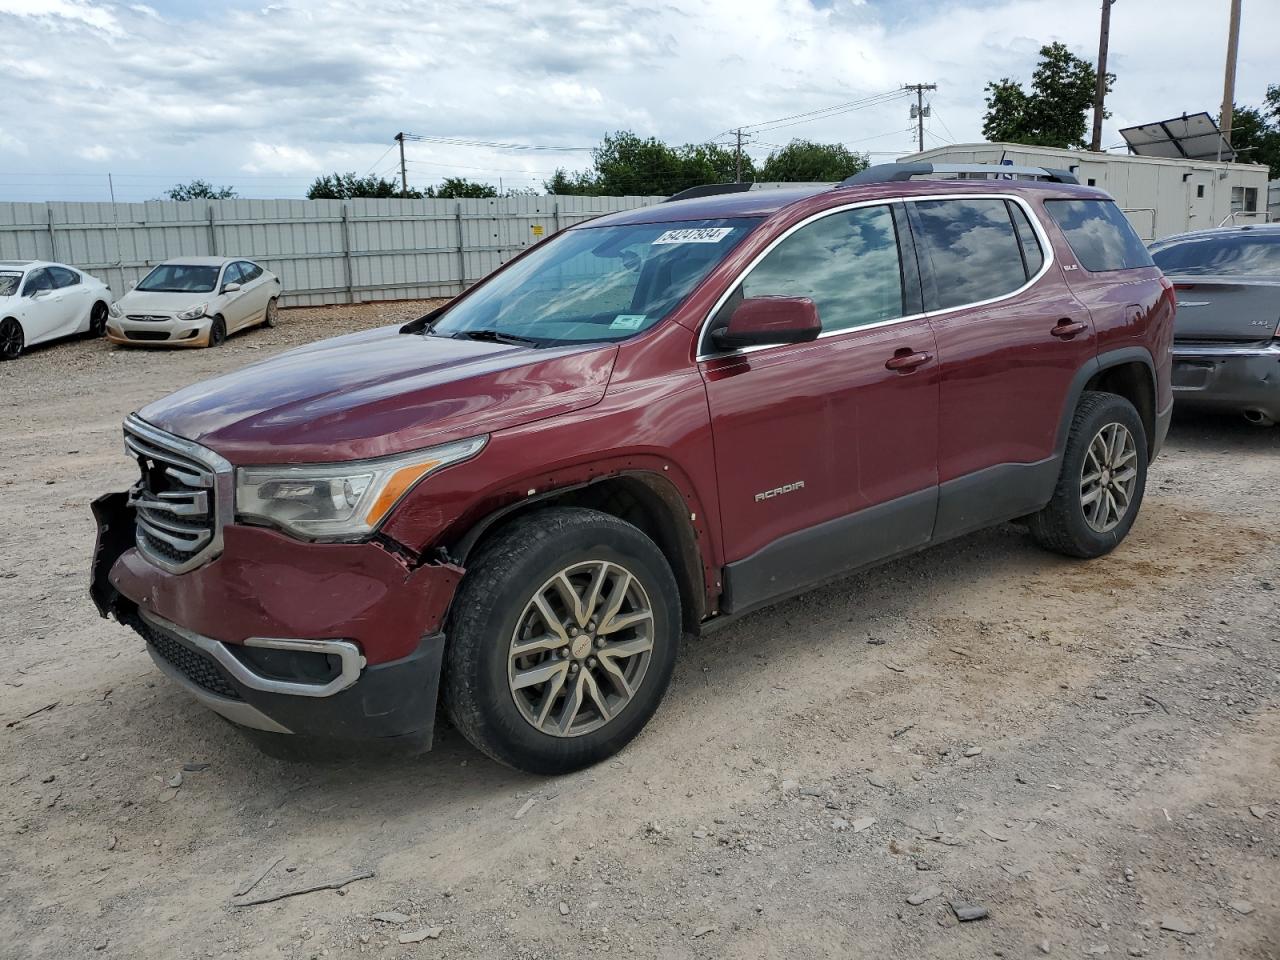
(695, 235)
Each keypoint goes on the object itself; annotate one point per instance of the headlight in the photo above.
(340, 500)
(114, 310)
(193, 312)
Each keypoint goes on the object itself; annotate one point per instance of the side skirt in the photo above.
(837, 548)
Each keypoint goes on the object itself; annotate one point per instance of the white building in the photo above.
(1160, 197)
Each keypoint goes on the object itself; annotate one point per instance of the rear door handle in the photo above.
(1066, 328)
(904, 360)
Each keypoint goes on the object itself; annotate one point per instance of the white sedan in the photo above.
(43, 301)
(194, 302)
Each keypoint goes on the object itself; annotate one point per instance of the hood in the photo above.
(145, 301)
(378, 393)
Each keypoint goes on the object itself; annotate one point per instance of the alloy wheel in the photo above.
(11, 339)
(581, 648)
(1109, 477)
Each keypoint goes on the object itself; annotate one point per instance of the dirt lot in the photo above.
(1089, 751)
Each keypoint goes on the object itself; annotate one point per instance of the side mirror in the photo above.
(39, 294)
(769, 320)
(230, 287)
(132, 284)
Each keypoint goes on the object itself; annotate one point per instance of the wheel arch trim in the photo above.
(674, 505)
(1103, 362)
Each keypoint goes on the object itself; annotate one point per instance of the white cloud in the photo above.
(60, 13)
(277, 158)
(269, 97)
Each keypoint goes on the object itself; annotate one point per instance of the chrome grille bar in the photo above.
(183, 499)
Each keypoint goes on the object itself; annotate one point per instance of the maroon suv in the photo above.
(643, 426)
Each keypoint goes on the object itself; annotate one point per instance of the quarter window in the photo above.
(1099, 234)
(847, 263)
(974, 250)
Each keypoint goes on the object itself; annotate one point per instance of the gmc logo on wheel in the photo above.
(778, 491)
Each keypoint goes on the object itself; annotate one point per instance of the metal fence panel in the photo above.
(324, 251)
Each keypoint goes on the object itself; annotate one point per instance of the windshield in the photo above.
(180, 278)
(595, 283)
(1235, 254)
(9, 284)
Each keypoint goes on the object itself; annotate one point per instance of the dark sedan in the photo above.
(1226, 347)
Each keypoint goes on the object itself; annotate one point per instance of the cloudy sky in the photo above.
(265, 97)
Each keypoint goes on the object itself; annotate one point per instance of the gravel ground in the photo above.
(1089, 752)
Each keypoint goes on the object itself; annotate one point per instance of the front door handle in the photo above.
(904, 360)
(1067, 328)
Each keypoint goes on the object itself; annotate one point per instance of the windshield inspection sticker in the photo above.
(695, 235)
(627, 321)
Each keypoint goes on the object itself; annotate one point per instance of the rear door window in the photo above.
(1227, 255)
(1099, 234)
(62, 277)
(847, 263)
(973, 248)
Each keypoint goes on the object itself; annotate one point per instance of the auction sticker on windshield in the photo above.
(695, 235)
(627, 321)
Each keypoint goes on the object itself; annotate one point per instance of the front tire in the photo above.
(12, 339)
(562, 642)
(217, 332)
(1101, 483)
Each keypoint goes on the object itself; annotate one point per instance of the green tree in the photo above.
(1255, 132)
(344, 186)
(456, 187)
(199, 190)
(808, 162)
(626, 163)
(1053, 113)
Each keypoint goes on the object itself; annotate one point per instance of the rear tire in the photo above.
(269, 318)
(98, 319)
(217, 332)
(12, 339)
(1101, 483)
(588, 606)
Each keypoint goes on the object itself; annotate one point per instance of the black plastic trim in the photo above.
(829, 550)
(993, 495)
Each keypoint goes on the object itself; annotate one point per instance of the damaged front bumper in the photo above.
(330, 640)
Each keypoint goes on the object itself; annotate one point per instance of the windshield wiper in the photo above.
(497, 336)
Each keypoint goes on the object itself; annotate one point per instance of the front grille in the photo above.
(174, 500)
(192, 664)
(148, 318)
(146, 334)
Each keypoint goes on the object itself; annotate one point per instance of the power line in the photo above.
(492, 144)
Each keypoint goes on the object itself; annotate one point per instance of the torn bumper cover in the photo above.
(331, 640)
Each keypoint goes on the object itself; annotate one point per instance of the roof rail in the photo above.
(891, 172)
(708, 190)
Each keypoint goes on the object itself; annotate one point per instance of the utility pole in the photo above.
(404, 176)
(1100, 92)
(919, 111)
(1229, 81)
(737, 160)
